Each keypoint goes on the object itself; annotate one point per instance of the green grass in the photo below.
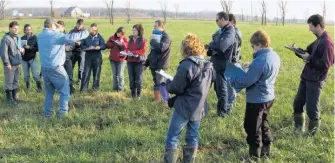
(110, 127)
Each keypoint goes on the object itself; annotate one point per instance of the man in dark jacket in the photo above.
(92, 45)
(319, 57)
(11, 51)
(159, 57)
(221, 49)
(77, 54)
(68, 62)
(29, 58)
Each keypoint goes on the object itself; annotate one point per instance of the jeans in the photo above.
(156, 78)
(26, 66)
(177, 124)
(12, 78)
(135, 71)
(118, 75)
(309, 95)
(56, 78)
(92, 63)
(256, 124)
(220, 86)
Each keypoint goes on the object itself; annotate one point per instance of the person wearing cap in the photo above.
(68, 61)
(11, 51)
(29, 58)
(92, 45)
(51, 45)
(77, 54)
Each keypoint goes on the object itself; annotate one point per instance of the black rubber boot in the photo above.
(14, 95)
(189, 155)
(313, 127)
(28, 85)
(170, 156)
(9, 97)
(254, 152)
(299, 122)
(139, 92)
(265, 152)
(133, 93)
(39, 86)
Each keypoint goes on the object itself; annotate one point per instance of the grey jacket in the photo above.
(68, 49)
(9, 50)
(223, 47)
(159, 57)
(191, 84)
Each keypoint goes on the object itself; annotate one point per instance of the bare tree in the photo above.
(3, 5)
(306, 14)
(263, 12)
(176, 7)
(242, 15)
(283, 9)
(324, 10)
(110, 5)
(52, 14)
(226, 5)
(163, 5)
(129, 10)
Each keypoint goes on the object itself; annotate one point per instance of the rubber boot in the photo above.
(254, 152)
(28, 85)
(39, 86)
(265, 151)
(139, 92)
(189, 155)
(170, 155)
(15, 98)
(72, 89)
(134, 93)
(313, 127)
(9, 98)
(299, 122)
(157, 97)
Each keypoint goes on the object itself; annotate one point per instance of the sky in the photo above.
(295, 8)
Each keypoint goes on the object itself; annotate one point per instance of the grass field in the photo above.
(110, 127)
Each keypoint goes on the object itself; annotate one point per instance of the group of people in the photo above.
(59, 51)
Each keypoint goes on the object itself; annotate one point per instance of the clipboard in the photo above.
(164, 74)
(294, 49)
(233, 71)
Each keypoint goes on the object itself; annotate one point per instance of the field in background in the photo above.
(110, 127)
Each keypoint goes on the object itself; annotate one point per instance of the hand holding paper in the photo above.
(164, 74)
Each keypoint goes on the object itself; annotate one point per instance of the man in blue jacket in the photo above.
(93, 45)
(221, 49)
(51, 45)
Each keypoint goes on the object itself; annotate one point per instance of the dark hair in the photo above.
(80, 21)
(160, 23)
(26, 26)
(61, 23)
(223, 15)
(94, 25)
(13, 23)
(232, 18)
(316, 20)
(120, 30)
(140, 29)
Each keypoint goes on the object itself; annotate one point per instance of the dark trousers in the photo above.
(220, 86)
(92, 63)
(69, 69)
(309, 95)
(256, 124)
(77, 58)
(156, 78)
(135, 71)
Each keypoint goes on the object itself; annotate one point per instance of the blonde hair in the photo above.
(260, 37)
(192, 46)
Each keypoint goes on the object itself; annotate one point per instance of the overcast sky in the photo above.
(295, 8)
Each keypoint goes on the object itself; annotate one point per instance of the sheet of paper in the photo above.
(233, 71)
(23, 42)
(164, 74)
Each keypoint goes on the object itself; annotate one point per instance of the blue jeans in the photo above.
(92, 63)
(118, 75)
(56, 78)
(177, 124)
(135, 71)
(26, 66)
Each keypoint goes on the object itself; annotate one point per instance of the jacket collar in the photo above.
(261, 51)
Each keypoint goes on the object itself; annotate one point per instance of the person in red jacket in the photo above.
(136, 59)
(117, 43)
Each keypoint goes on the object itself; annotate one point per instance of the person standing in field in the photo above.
(77, 54)
(29, 58)
(69, 47)
(92, 45)
(235, 59)
(221, 49)
(117, 43)
(159, 57)
(11, 51)
(137, 47)
(319, 57)
(259, 82)
(191, 85)
(51, 45)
